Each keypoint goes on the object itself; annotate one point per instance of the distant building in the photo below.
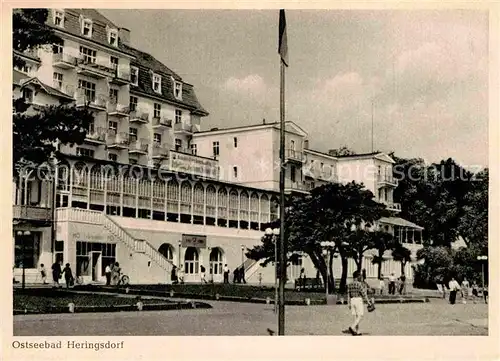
(148, 188)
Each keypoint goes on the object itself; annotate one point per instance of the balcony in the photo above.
(63, 61)
(183, 128)
(138, 146)
(94, 69)
(117, 140)
(159, 151)
(139, 116)
(300, 187)
(117, 110)
(67, 89)
(391, 206)
(121, 76)
(96, 136)
(386, 180)
(31, 213)
(96, 102)
(294, 155)
(161, 123)
(192, 164)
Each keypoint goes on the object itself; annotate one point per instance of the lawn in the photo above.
(45, 300)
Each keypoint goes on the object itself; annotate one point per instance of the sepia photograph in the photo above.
(224, 172)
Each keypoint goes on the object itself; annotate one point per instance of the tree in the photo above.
(382, 242)
(401, 254)
(36, 135)
(342, 151)
(329, 213)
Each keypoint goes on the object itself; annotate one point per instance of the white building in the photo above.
(206, 196)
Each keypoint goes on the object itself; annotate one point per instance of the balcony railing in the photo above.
(192, 164)
(94, 69)
(292, 154)
(117, 140)
(63, 60)
(162, 122)
(139, 115)
(121, 75)
(183, 128)
(295, 186)
(119, 110)
(160, 151)
(387, 179)
(138, 146)
(93, 101)
(393, 206)
(97, 135)
(32, 213)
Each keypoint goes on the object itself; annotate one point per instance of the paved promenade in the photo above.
(231, 318)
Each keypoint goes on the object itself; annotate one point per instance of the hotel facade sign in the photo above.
(191, 240)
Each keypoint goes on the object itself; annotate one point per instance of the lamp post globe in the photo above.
(276, 231)
(268, 232)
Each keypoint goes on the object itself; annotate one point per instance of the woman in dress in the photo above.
(115, 274)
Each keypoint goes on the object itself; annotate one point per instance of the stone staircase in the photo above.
(113, 228)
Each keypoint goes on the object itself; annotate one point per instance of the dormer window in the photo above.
(178, 89)
(113, 37)
(157, 83)
(59, 18)
(134, 75)
(87, 28)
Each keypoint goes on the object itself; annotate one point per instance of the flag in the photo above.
(283, 44)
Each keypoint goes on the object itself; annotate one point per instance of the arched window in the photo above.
(186, 198)
(216, 261)
(97, 178)
(254, 207)
(244, 204)
(233, 205)
(264, 209)
(199, 199)
(167, 251)
(222, 203)
(211, 201)
(191, 261)
(80, 181)
(274, 209)
(173, 196)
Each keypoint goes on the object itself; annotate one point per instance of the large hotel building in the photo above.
(149, 187)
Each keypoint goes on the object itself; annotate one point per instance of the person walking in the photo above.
(173, 275)
(465, 290)
(68, 276)
(242, 275)
(392, 284)
(402, 284)
(226, 274)
(381, 284)
(107, 271)
(180, 275)
(115, 274)
(43, 273)
(56, 273)
(475, 291)
(203, 279)
(454, 288)
(363, 272)
(356, 294)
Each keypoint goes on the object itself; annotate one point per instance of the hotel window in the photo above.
(134, 75)
(132, 132)
(178, 89)
(157, 83)
(194, 149)
(235, 172)
(157, 138)
(57, 48)
(178, 116)
(88, 89)
(235, 140)
(26, 69)
(113, 37)
(292, 144)
(215, 147)
(113, 157)
(157, 110)
(113, 126)
(87, 28)
(92, 126)
(57, 80)
(28, 95)
(133, 103)
(178, 145)
(113, 60)
(113, 95)
(59, 18)
(292, 173)
(59, 250)
(88, 55)
(84, 152)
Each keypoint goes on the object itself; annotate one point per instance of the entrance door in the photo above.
(96, 265)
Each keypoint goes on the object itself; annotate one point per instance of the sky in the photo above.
(421, 75)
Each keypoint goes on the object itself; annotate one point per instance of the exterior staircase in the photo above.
(113, 228)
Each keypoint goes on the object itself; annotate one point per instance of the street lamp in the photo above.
(274, 233)
(179, 256)
(482, 258)
(23, 237)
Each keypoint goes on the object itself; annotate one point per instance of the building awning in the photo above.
(396, 221)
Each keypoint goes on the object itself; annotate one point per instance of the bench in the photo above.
(308, 283)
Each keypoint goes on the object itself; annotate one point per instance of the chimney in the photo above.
(264, 121)
(124, 36)
(306, 144)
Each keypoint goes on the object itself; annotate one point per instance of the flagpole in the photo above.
(281, 310)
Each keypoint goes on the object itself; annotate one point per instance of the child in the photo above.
(43, 273)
